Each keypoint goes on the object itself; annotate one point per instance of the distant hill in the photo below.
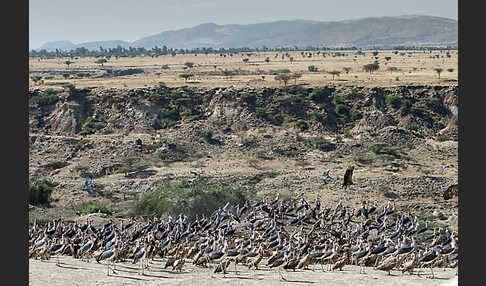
(62, 45)
(411, 30)
(67, 45)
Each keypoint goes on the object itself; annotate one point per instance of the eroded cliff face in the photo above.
(428, 111)
(270, 139)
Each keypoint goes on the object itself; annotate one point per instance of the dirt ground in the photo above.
(414, 67)
(76, 272)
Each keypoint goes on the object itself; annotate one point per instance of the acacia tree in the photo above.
(295, 76)
(36, 78)
(334, 73)
(189, 64)
(347, 69)
(371, 67)
(186, 76)
(438, 71)
(283, 77)
(101, 61)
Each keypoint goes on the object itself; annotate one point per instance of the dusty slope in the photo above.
(245, 147)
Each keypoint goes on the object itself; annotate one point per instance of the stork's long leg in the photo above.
(114, 266)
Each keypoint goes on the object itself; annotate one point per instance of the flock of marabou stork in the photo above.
(278, 234)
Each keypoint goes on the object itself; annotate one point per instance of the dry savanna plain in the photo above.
(404, 67)
(237, 126)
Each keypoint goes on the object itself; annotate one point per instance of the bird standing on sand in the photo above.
(110, 255)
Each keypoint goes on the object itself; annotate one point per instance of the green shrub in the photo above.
(418, 111)
(50, 91)
(80, 144)
(93, 207)
(302, 124)
(287, 99)
(219, 123)
(206, 134)
(262, 154)
(45, 99)
(271, 174)
(91, 124)
(168, 114)
(317, 115)
(56, 165)
(338, 99)
(40, 191)
(131, 164)
(342, 110)
(261, 112)
(312, 68)
(355, 114)
(319, 94)
(363, 157)
(189, 64)
(81, 168)
(167, 117)
(435, 104)
(393, 100)
(320, 143)
(405, 108)
(248, 98)
(353, 95)
(125, 169)
(181, 198)
(442, 137)
(386, 152)
(278, 71)
(177, 152)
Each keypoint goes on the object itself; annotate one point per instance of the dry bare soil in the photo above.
(76, 272)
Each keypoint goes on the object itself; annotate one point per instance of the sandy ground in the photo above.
(77, 272)
(415, 67)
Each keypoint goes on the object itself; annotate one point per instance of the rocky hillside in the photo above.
(271, 139)
(424, 111)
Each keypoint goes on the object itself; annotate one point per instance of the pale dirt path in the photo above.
(76, 272)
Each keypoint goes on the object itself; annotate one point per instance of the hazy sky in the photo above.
(95, 20)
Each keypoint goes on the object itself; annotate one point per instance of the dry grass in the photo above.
(414, 68)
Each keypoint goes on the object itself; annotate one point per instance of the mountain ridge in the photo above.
(387, 31)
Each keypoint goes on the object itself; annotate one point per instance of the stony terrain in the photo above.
(270, 139)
